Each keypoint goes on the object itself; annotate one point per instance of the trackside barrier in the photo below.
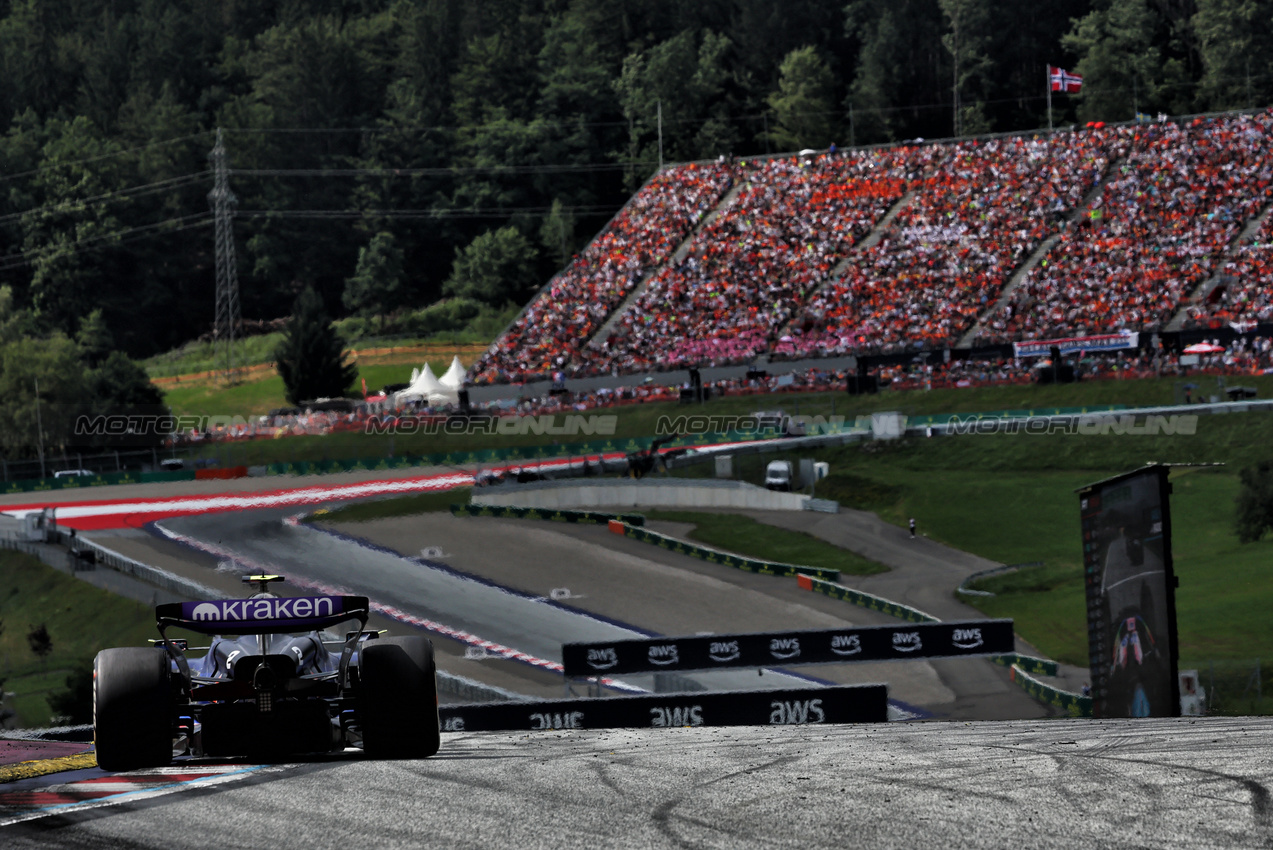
(542, 452)
(937, 419)
(86, 482)
(1027, 663)
(145, 572)
(715, 556)
(1071, 703)
(955, 639)
(994, 571)
(471, 689)
(839, 704)
(510, 512)
(865, 600)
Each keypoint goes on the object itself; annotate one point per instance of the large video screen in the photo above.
(1131, 601)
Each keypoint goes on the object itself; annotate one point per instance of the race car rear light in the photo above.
(179, 643)
(264, 702)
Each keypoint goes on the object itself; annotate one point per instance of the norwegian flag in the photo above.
(1063, 80)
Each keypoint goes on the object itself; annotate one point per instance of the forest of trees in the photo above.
(390, 153)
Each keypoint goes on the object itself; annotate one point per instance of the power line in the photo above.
(100, 157)
(437, 171)
(72, 204)
(435, 213)
(132, 234)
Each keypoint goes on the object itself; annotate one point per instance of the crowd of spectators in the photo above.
(1243, 296)
(576, 302)
(983, 208)
(752, 267)
(1172, 199)
(1162, 223)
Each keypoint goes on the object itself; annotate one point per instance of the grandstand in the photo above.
(915, 247)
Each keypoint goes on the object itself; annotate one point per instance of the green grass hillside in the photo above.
(80, 618)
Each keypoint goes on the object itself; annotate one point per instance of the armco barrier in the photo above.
(715, 556)
(865, 600)
(1071, 703)
(530, 453)
(944, 418)
(954, 639)
(77, 482)
(1028, 663)
(839, 704)
(511, 512)
(472, 690)
(145, 572)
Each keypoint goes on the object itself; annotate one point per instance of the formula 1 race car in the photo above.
(267, 686)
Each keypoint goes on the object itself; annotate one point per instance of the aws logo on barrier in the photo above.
(565, 720)
(602, 659)
(670, 716)
(784, 648)
(722, 651)
(967, 638)
(663, 655)
(796, 713)
(906, 641)
(846, 644)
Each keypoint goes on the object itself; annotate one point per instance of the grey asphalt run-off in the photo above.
(1048, 784)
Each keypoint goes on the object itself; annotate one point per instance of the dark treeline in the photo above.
(470, 147)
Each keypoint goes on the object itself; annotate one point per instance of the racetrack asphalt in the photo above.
(525, 622)
(1062, 783)
(674, 594)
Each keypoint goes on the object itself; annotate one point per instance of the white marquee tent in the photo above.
(426, 387)
(454, 377)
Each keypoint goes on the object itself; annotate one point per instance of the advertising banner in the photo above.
(839, 704)
(766, 649)
(1072, 345)
(1131, 599)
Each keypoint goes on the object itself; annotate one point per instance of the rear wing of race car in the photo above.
(263, 615)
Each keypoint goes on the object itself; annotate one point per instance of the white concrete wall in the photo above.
(587, 498)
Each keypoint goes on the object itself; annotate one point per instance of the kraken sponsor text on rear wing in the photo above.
(263, 615)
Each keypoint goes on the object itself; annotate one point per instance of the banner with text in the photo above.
(839, 704)
(765, 649)
(1072, 345)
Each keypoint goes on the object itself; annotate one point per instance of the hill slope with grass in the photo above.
(79, 619)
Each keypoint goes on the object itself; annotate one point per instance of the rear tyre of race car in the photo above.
(132, 708)
(398, 698)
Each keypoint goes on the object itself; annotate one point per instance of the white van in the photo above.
(68, 473)
(778, 475)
